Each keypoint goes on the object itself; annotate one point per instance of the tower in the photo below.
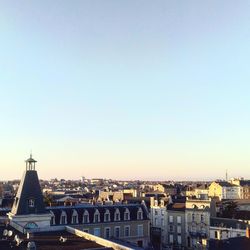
(28, 210)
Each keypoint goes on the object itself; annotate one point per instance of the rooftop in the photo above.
(48, 241)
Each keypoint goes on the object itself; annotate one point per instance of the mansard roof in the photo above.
(80, 209)
(29, 188)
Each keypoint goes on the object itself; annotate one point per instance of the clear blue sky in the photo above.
(125, 89)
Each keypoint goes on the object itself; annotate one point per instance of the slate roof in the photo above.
(133, 208)
(227, 223)
(225, 184)
(245, 182)
(29, 189)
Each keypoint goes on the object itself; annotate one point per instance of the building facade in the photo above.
(197, 219)
(124, 222)
(224, 190)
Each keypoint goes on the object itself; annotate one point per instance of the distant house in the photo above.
(224, 190)
(244, 186)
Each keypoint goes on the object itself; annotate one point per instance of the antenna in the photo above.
(226, 175)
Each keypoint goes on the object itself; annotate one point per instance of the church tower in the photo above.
(28, 211)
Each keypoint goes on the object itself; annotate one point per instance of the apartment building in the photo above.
(175, 226)
(197, 222)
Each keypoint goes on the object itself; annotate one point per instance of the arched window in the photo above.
(52, 220)
(126, 214)
(31, 225)
(96, 216)
(117, 216)
(85, 218)
(106, 216)
(74, 219)
(139, 214)
(63, 218)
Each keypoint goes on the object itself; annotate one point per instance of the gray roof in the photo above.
(225, 184)
(29, 189)
(227, 223)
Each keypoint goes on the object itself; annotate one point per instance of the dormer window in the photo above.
(74, 219)
(139, 214)
(107, 216)
(126, 214)
(117, 215)
(63, 218)
(86, 217)
(96, 216)
(31, 202)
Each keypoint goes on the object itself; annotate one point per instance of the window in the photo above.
(139, 216)
(126, 215)
(171, 228)
(85, 217)
(179, 240)
(179, 229)
(107, 232)
(156, 221)
(162, 222)
(31, 202)
(97, 231)
(52, 220)
(171, 219)
(117, 215)
(162, 212)
(156, 212)
(106, 216)
(179, 219)
(74, 219)
(140, 230)
(193, 217)
(96, 216)
(63, 218)
(85, 230)
(127, 231)
(202, 218)
(117, 232)
(171, 238)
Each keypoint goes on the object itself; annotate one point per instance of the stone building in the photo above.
(128, 223)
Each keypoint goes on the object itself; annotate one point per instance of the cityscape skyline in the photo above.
(132, 90)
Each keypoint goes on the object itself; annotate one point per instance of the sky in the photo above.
(152, 90)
